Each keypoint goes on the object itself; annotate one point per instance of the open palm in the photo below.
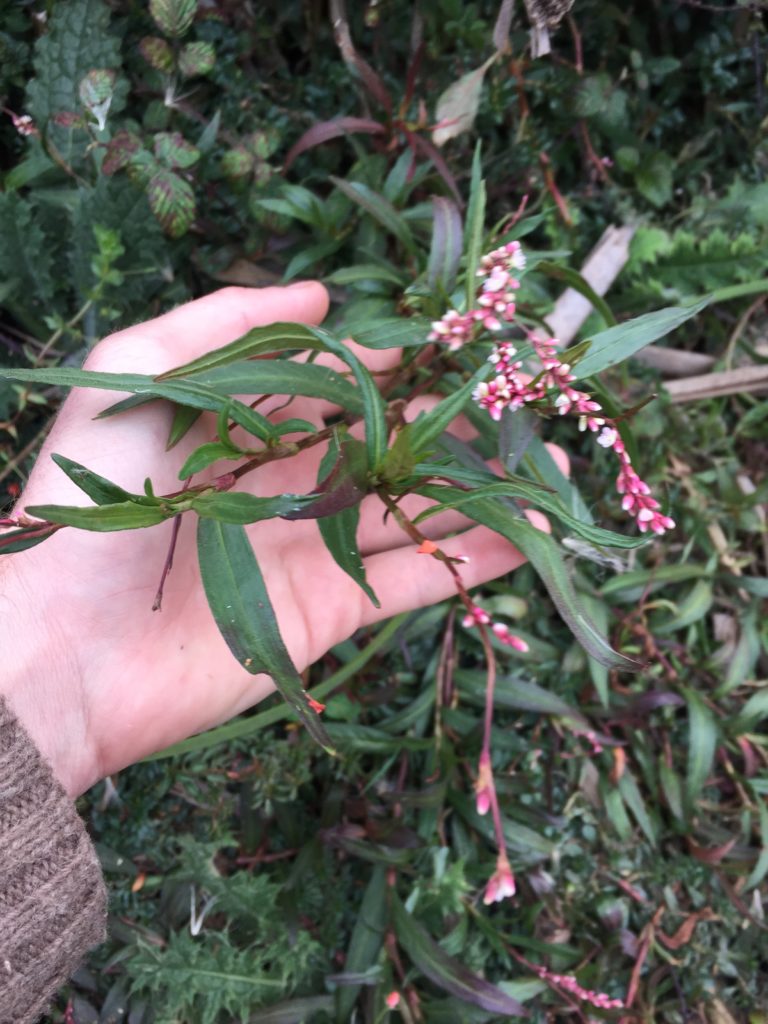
(98, 678)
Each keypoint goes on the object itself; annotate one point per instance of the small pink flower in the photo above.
(484, 784)
(393, 999)
(502, 882)
(510, 639)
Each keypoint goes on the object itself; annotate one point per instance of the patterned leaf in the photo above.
(173, 150)
(237, 162)
(173, 17)
(77, 41)
(172, 202)
(120, 150)
(157, 53)
(196, 59)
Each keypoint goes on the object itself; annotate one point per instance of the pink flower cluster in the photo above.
(495, 299)
(501, 883)
(479, 617)
(511, 389)
(569, 984)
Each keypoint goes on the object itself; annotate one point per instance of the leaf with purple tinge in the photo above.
(172, 201)
(445, 971)
(338, 128)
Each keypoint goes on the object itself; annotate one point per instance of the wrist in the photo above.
(42, 680)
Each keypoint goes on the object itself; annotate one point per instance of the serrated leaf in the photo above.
(172, 149)
(157, 53)
(445, 971)
(172, 201)
(95, 92)
(196, 59)
(237, 162)
(123, 515)
(445, 249)
(77, 40)
(614, 345)
(120, 150)
(366, 940)
(174, 17)
(242, 610)
(457, 106)
(379, 208)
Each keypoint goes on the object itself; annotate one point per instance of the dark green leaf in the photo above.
(205, 456)
(240, 508)
(702, 743)
(283, 377)
(619, 343)
(445, 251)
(516, 431)
(98, 489)
(339, 533)
(242, 610)
(13, 541)
(366, 941)
(173, 17)
(429, 426)
(344, 486)
(574, 280)
(123, 515)
(379, 208)
(184, 418)
(474, 227)
(446, 972)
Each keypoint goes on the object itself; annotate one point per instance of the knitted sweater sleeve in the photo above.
(52, 895)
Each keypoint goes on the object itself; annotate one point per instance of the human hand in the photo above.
(100, 680)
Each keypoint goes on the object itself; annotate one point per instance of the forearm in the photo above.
(52, 896)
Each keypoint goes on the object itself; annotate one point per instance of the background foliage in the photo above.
(252, 877)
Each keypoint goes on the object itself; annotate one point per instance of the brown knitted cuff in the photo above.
(52, 896)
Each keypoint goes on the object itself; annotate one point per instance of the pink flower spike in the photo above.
(393, 1000)
(502, 882)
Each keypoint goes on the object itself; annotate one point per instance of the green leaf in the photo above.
(239, 508)
(184, 418)
(205, 456)
(389, 332)
(702, 743)
(366, 940)
(157, 53)
(760, 869)
(428, 427)
(122, 515)
(619, 343)
(173, 150)
(443, 970)
(196, 59)
(174, 17)
(283, 377)
(574, 280)
(545, 557)
(379, 208)
(343, 487)
(474, 228)
(633, 799)
(516, 431)
(98, 488)
(242, 610)
(445, 250)
(457, 105)
(339, 530)
(172, 201)
(654, 178)
(13, 541)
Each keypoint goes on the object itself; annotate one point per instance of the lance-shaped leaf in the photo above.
(14, 541)
(607, 348)
(457, 106)
(339, 529)
(579, 284)
(474, 226)
(380, 209)
(516, 431)
(326, 130)
(122, 515)
(445, 250)
(98, 488)
(344, 486)
(448, 973)
(429, 426)
(545, 557)
(449, 497)
(206, 455)
(367, 939)
(242, 610)
(183, 392)
(240, 508)
(283, 377)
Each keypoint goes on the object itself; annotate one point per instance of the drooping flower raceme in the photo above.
(510, 388)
